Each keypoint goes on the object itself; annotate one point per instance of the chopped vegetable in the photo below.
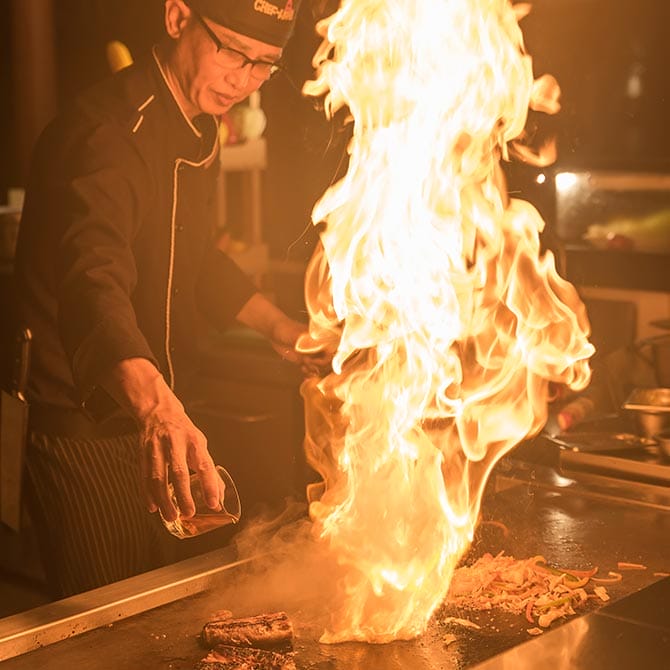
(612, 579)
(630, 566)
(531, 587)
(461, 622)
(529, 610)
(547, 619)
(601, 592)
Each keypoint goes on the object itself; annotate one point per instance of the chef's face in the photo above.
(215, 67)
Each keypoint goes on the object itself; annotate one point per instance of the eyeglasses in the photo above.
(234, 59)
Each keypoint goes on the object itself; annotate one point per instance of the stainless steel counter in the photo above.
(153, 621)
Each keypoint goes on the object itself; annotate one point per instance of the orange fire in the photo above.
(448, 324)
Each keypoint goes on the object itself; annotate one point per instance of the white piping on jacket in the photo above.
(173, 219)
(173, 227)
(143, 106)
(146, 103)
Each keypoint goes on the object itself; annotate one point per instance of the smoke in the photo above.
(288, 570)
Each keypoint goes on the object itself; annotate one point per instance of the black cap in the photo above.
(269, 21)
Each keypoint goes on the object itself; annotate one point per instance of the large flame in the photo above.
(448, 322)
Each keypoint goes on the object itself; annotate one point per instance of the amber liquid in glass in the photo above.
(201, 523)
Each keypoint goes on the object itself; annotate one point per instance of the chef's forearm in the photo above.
(262, 316)
(168, 438)
(222, 289)
(138, 386)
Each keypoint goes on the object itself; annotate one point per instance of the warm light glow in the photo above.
(448, 324)
(541, 178)
(565, 181)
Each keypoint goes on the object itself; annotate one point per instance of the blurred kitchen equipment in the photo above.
(9, 230)
(599, 441)
(661, 323)
(661, 353)
(614, 210)
(118, 55)
(570, 414)
(612, 228)
(659, 359)
(13, 431)
(16, 196)
(663, 440)
(650, 409)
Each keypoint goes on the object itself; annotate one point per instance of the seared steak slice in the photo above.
(225, 657)
(265, 631)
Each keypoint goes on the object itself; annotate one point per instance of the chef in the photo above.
(116, 269)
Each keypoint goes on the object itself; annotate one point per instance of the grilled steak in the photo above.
(265, 631)
(225, 657)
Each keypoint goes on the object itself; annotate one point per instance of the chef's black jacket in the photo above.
(115, 257)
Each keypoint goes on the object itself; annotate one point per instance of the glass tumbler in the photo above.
(205, 519)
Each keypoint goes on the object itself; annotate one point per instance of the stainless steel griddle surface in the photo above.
(569, 529)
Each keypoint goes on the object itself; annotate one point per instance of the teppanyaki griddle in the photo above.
(569, 529)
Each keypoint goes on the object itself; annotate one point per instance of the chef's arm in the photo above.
(169, 437)
(99, 207)
(267, 319)
(225, 294)
(242, 302)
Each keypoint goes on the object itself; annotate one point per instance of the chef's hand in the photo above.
(266, 318)
(312, 361)
(169, 441)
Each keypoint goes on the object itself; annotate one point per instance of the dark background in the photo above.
(610, 58)
(81, 28)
